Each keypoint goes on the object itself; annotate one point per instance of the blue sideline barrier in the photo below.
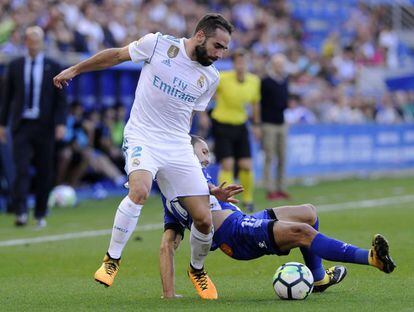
(323, 150)
(341, 150)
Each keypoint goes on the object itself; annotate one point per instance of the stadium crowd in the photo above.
(326, 84)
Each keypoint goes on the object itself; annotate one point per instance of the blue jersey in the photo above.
(241, 236)
(247, 237)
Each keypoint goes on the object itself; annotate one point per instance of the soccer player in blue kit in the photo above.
(272, 231)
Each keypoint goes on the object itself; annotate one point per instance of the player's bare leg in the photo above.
(305, 213)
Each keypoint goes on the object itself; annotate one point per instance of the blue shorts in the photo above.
(245, 237)
(265, 214)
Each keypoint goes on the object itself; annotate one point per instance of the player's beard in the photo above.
(202, 55)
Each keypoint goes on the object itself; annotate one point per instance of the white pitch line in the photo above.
(75, 235)
(369, 203)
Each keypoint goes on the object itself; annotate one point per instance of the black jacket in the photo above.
(52, 102)
(274, 100)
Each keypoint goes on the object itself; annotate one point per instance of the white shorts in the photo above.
(175, 167)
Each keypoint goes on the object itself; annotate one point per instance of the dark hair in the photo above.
(349, 48)
(210, 22)
(295, 97)
(196, 139)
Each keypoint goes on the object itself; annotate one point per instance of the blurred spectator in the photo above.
(58, 36)
(73, 155)
(104, 138)
(117, 129)
(387, 113)
(297, 113)
(89, 28)
(274, 99)
(37, 113)
(389, 41)
(14, 45)
(99, 161)
(295, 63)
(88, 151)
(331, 45)
(405, 103)
(345, 65)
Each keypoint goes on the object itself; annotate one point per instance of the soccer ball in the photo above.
(62, 196)
(293, 280)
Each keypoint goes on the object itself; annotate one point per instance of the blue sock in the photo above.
(334, 250)
(312, 261)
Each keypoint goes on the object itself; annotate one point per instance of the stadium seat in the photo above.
(127, 84)
(87, 88)
(107, 87)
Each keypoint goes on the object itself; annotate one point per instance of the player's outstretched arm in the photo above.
(104, 59)
(169, 243)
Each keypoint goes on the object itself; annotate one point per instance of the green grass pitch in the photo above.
(58, 275)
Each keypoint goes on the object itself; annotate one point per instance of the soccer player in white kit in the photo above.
(177, 79)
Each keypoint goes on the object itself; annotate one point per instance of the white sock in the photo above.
(126, 219)
(200, 246)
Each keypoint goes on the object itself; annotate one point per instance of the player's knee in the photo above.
(302, 234)
(138, 193)
(309, 214)
(203, 223)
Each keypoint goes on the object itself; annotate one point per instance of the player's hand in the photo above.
(225, 194)
(174, 296)
(232, 200)
(64, 77)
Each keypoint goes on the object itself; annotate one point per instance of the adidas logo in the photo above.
(167, 62)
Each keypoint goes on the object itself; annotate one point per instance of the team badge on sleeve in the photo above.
(201, 81)
(172, 51)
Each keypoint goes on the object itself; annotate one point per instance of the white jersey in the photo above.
(170, 87)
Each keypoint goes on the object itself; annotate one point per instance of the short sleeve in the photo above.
(205, 98)
(143, 49)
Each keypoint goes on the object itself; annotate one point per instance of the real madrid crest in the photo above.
(201, 81)
(172, 51)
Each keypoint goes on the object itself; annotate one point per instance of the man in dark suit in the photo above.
(36, 113)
